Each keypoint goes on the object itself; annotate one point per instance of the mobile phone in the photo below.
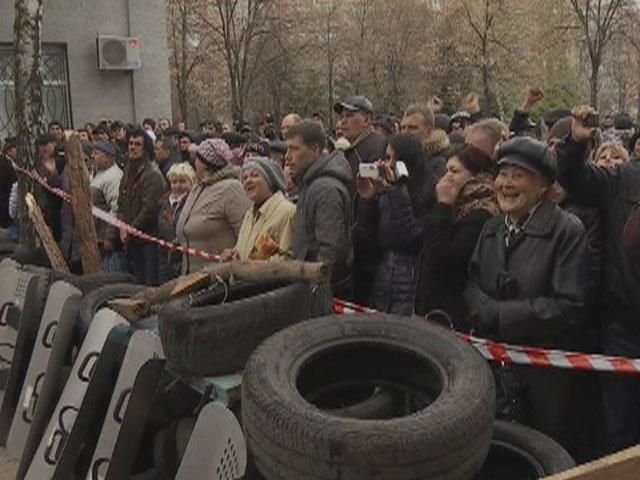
(592, 121)
(401, 170)
(369, 170)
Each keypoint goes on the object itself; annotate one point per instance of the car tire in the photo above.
(446, 438)
(98, 298)
(91, 281)
(521, 452)
(203, 339)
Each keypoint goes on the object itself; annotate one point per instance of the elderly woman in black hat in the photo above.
(267, 229)
(528, 278)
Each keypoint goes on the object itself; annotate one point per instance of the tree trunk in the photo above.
(593, 85)
(29, 105)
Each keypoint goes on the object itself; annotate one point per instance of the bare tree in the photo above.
(29, 105)
(238, 28)
(185, 41)
(597, 20)
(483, 24)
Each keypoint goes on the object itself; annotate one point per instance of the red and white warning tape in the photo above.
(494, 351)
(535, 357)
(116, 222)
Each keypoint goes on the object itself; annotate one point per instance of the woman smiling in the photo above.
(267, 228)
(528, 278)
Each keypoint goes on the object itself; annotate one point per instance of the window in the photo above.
(55, 90)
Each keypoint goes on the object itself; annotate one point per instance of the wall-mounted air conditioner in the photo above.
(118, 53)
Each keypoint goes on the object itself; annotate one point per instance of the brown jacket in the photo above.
(141, 187)
(212, 216)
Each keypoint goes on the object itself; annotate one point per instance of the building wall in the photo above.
(95, 94)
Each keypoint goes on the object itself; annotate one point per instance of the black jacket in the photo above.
(614, 192)
(444, 261)
(536, 289)
(369, 148)
(322, 230)
(392, 224)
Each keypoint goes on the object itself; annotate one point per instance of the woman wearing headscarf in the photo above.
(267, 230)
(466, 200)
(214, 210)
(182, 178)
(391, 211)
(528, 280)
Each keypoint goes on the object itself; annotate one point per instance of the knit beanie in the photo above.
(270, 171)
(214, 152)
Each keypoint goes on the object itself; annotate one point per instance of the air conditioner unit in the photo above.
(118, 53)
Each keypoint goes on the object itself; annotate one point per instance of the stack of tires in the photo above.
(429, 413)
(215, 331)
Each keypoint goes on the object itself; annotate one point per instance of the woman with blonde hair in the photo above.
(182, 178)
(611, 154)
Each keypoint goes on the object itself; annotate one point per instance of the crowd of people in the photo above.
(525, 233)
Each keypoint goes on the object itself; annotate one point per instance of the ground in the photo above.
(7, 466)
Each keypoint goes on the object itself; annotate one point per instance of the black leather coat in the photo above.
(536, 289)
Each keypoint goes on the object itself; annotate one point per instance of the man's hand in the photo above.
(579, 132)
(124, 237)
(534, 95)
(107, 246)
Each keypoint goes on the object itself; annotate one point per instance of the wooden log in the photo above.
(624, 465)
(85, 227)
(253, 271)
(56, 258)
(139, 306)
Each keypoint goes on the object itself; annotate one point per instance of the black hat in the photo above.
(354, 104)
(529, 154)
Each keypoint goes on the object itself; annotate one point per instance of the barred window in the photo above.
(55, 73)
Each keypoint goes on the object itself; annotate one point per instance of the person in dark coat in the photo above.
(7, 179)
(614, 191)
(138, 205)
(465, 201)
(528, 281)
(391, 210)
(322, 231)
(365, 146)
(181, 177)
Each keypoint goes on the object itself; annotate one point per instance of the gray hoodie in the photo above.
(323, 218)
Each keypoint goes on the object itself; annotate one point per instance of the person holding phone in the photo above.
(395, 195)
(615, 192)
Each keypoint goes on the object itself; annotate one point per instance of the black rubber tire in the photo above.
(355, 401)
(218, 339)
(31, 256)
(91, 281)
(291, 438)
(522, 453)
(98, 298)
(7, 248)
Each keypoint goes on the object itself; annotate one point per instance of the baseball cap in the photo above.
(354, 104)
